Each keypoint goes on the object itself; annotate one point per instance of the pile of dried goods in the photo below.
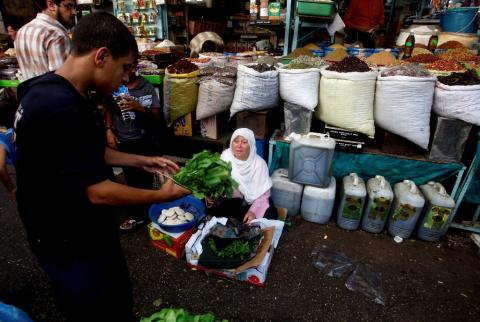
(336, 55)
(212, 54)
(468, 78)
(417, 45)
(445, 65)
(300, 52)
(458, 54)
(383, 58)
(307, 62)
(261, 68)
(423, 58)
(407, 70)
(200, 60)
(451, 44)
(350, 64)
(183, 66)
(419, 51)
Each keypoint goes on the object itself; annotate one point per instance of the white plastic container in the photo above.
(311, 159)
(285, 193)
(353, 195)
(380, 197)
(437, 210)
(407, 206)
(317, 203)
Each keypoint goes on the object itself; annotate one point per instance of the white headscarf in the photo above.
(252, 174)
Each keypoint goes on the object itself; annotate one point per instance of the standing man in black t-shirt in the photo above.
(64, 187)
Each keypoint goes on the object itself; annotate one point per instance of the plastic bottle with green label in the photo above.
(353, 193)
(439, 206)
(409, 44)
(433, 41)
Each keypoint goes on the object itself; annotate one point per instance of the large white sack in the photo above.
(300, 86)
(254, 90)
(213, 97)
(403, 105)
(458, 102)
(346, 100)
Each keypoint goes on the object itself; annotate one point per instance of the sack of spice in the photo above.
(215, 93)
(403, 102)
(300, 86)
(457, 97)
(347, 90)
(180, 90)
(255, 89)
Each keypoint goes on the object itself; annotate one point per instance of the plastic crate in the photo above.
(315, 8)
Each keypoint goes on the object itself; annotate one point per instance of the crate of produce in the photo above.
(322, 8)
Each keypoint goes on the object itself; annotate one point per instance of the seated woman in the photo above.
(251, 199)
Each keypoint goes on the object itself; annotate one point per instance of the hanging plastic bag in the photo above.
(298, 119)
(10, 313)
(366, 282)
(331, 262)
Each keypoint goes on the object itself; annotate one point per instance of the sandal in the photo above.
(128, 224)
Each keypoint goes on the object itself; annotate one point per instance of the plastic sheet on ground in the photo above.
(331, 262)
(10, 313)
(366, 282)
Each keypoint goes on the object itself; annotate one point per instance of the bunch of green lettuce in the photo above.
(178, 315)
(206, 175)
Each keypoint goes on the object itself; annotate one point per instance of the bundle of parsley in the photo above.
(207, 176)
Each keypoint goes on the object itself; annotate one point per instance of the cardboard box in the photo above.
(255, 121)
(184, 126)
(171, 243)
(255, 270)
(209, 127)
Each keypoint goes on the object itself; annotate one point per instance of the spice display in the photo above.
(261, 68)
(200, 60)
(383, 58)
(300, 52)
(419, 51)
(183, 66)
(451, 44)
(337, 46)
(350, 64)
(468, 78)
(269, 60)
(336, 55)
(420, 46)
(152, 52)
(445, 65)
(212, 54)
(458, 54)
(303, 62)
(423, 59)
(407, 70)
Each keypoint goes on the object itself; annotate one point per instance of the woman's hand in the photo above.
(159, 164)
(249, 216)
(112, 140)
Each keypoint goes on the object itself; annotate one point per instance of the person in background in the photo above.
(64, 189)
(362, 19)
(7, 157)
(129, 127)
(43, 44)
(251, 200)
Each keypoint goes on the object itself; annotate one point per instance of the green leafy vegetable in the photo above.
(237, 248)
(207, 175)
(178, 315)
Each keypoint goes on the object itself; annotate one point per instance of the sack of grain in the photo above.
(255, 90)
(300, 86)
(403, 105)
(346, 100)
(458, 102)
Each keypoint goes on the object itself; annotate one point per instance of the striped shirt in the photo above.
(41, 46)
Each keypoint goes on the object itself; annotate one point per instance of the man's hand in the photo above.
(130, 104)
(112, 140)
(159, 164)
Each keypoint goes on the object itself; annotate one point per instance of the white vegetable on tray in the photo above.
(174, 216)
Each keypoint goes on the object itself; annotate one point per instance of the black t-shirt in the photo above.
(60, 151)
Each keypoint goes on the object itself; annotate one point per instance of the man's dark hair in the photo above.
(101, 29)
(42, 4)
